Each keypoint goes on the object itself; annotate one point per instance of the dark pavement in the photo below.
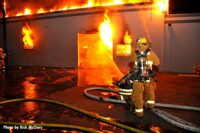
(67, 85)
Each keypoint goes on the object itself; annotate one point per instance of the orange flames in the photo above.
(27, 11)
(124, 49)
(27, 37)
(95, 51)
(127, 38)
(162, 4)
(41, 10)
(105, 30)
(43, 7)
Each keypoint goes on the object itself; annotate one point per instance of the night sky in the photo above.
(184, 6)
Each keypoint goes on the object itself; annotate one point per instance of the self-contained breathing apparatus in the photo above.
(142, 71)
(143, 68)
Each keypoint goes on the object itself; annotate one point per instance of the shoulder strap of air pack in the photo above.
(145, 52)
(137, 52)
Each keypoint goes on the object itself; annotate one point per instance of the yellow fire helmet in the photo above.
(142, 40)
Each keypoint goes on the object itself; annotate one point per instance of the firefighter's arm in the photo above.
(154, 58)
(153, 61)
(131, 63)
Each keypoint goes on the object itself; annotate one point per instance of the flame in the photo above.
(127, 38)
(93, 53)
(41, 10)
(162, 5)
(124, 49)
(90, 3)
(27, 37)
(27, 11)
(60, 6)
(105, 30)
(4, 5)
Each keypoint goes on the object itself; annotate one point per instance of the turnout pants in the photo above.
(137, 96)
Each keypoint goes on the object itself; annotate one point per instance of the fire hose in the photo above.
(128, 128)
(164, 115)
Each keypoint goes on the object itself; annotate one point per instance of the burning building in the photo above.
(71, 34)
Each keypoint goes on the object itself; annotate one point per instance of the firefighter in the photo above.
(143, 59)
(2, 57)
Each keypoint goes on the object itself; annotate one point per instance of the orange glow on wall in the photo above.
(95, 61)
(27, 37)
(96, 49)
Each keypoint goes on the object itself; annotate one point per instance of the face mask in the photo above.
(143, 47)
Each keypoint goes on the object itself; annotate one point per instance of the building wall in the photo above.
(141, 23)
(55, 41)
(56, 36)
(182, 45)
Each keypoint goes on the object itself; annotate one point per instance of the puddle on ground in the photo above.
(51, 113)
(34, 82)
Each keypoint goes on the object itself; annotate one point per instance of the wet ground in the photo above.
(68, 85)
